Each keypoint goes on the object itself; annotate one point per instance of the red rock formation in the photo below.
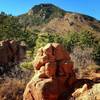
(11, 52)
(53, 74)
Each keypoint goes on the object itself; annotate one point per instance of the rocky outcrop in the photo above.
(11, 52)
(54, 74)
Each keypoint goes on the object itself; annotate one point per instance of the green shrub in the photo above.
(96, 54)
(27, 65)
(83, 39)
(70, 41)
(86, 39)
(45, 38)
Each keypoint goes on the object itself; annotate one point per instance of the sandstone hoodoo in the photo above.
(54, 74)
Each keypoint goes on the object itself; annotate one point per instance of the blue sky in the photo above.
(17, 7)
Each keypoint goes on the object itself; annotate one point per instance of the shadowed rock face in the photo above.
(11, 52)
(53, 74)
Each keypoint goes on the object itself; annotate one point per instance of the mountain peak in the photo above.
(44, 5)
(45, 9)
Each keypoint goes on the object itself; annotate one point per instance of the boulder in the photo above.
(80, 90)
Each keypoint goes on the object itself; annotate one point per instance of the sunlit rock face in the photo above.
(53, 74)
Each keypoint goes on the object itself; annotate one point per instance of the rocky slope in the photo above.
(49, 18)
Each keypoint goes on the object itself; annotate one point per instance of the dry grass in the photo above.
(11, 89)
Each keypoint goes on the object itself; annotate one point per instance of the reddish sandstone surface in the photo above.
(54, 74)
